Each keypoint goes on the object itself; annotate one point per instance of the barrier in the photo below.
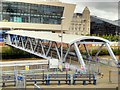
(9, 75)
(8, 79)
(59, 78)
(84, 78)
(36, 78)
(51, 77)
(31, 76)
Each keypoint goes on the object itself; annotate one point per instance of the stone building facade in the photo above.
(80, 24)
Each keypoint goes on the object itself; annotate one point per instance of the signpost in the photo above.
(53, 63)
(26, 68)
(67, 67)
(20, 82)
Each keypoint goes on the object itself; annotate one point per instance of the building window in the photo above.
(2, 35)
(31, 13)
(0, 17)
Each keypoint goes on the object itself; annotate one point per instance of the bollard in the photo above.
(48, 80)
(35, 82)
(3, 84)
(58, 82)
(94, 82)
(69, 82)
(84, 82)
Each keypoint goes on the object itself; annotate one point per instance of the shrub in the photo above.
(12, 53)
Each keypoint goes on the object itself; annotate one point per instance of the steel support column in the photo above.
(79, 55)
(98, 51)
(87, 50)
(9, 39)
(42, 47)
(16, 42)
(50, 45)
(36, 44)
(31, 46)
(111, 53)
(64, 59)
(22, 43)
(57, 51)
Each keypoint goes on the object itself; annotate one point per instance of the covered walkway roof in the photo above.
(67, 38)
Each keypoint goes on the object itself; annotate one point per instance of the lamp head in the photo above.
(62, 18)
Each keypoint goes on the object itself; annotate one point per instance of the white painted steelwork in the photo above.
(45, 44)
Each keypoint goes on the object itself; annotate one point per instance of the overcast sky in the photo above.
(102, 8)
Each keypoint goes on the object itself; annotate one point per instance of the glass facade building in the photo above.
(22, 12)
(103, 27)
(30, 13)
(2, 35)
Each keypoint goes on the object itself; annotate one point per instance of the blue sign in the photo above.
(97, 59)
(19, 78)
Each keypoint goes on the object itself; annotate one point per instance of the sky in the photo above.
(102, 8)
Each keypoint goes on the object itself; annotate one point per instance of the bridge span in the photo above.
(43, 44)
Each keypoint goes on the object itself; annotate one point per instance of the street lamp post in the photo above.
(62, 18)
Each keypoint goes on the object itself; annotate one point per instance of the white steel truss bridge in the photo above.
(48, 45)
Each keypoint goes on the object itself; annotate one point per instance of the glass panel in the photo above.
(0, 16)
(2, 35)
(0, 6)
(6, 17)
(32, 13)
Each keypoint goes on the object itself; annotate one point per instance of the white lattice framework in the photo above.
(40, 44)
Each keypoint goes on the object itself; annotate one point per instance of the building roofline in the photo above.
(106, 20)
(54, 3)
